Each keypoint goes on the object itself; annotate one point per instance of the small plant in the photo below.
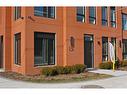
(79, 68)
(124, 63)
(106, 65)
(49, 71)
(60, 69)
(68, 69)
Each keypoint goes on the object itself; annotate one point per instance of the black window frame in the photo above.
(104, 56)
(17, 50)
(44, 12)
(112, 22)
(17, 13)
(81, 15)
(123, 20)
(124, 53)
(49, 37)
(91, 18)
(104, 20)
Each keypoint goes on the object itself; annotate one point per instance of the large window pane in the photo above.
(18, 48)
(112, 17)
(51, 12)
(104, 49)
(48, 12)
(124, 21)
(125, 49)
(44, 49)
(17, 13)
(104, 16)
(92, 15)
(81, 14)
(38, 11)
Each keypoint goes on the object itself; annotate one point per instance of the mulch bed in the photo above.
(52, 79)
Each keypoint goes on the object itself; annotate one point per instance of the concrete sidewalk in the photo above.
(119, 81)
(117, 73)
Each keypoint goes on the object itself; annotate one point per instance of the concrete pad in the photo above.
(116, 73)
(114, 82)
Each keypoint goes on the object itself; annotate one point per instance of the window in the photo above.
(104, 16)
(125, 49)
(48, 12)
(92, 15)
(81, 14)
(104, 49)
(18, 48)
(44, 49)
(113, 17)
(17, 13)
(124, 21)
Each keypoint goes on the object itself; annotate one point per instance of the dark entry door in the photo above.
(88, 51)
(1, 51)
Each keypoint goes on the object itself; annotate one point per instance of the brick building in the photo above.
(36, 37)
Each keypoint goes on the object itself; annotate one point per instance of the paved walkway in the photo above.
(114, 82)
(110, 72)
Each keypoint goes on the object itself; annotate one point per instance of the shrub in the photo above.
(68, 70)
(60, 69)
(79, 68)
(106, 65)
(52, 71)
(124, 63)
(49, 71)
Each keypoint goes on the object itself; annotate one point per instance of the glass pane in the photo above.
(80, 10)
(92, 20)
(124, 21)
(104, 13)
(45, 51)
(38, 51)
(113, 14)
(104, 22)
(38, 11)
(80, 18)
(17, 48)
(81, 14)
(51, 51)
(104, 49)
(124, 49)
(92, 11)
(51, 12)
(125, 56)
(113, 24)
(17, 12)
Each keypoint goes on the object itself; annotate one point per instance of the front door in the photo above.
(1, 52)
(88, 51)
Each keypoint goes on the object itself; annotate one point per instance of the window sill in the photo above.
(53, 18)
(81, 22)
(17, 65)
(44, 66)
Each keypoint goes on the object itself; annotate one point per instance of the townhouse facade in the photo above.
(35, 37)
